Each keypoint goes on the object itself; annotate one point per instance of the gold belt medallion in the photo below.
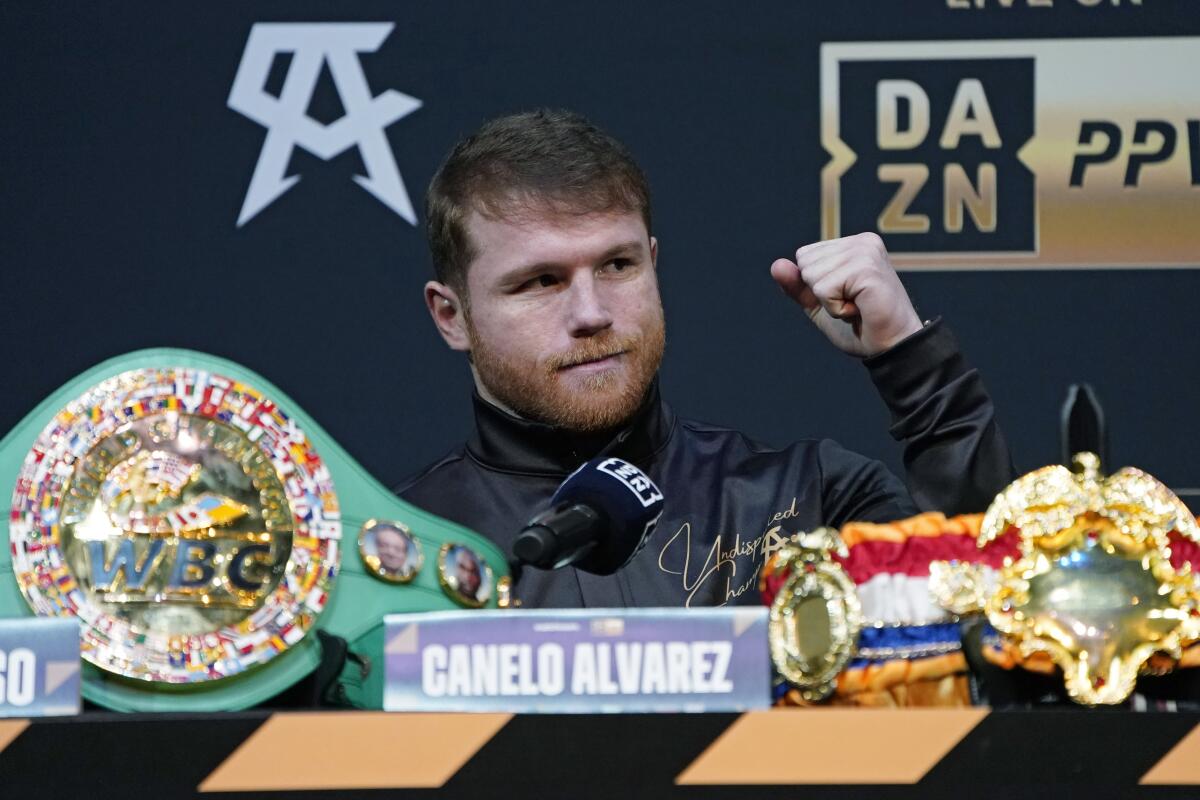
(815, 617)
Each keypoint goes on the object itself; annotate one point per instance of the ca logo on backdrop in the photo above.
(994, 154)
(286, 118)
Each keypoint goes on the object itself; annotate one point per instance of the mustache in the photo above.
(593, 350)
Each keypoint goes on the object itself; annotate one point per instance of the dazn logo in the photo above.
(935, 143)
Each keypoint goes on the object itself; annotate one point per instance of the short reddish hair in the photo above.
(545, 159)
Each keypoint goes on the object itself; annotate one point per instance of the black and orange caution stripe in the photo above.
(918, 753)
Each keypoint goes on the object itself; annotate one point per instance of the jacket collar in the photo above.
(507, 442)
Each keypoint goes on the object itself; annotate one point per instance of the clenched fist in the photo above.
(850, 290)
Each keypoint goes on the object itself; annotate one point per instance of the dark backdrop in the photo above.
(124, 171)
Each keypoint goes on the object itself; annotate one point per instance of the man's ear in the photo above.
(447, 311)
(654, 252)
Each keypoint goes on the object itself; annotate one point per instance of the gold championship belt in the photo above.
(1092, 589)
(815, 616)
(852, 621)
(191, 518)
(1074, 572)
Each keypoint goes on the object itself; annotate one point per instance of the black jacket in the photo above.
(729, 499)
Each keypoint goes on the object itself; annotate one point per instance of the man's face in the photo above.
(392, 548)
(467, 572)
(563, 315)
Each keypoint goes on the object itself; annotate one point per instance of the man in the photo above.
(467, 574)
(392, 547)
(540, 230)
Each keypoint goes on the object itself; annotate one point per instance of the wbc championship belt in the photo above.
(200, 527)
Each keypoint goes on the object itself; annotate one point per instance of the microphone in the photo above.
(599, 519)
(1082, 424)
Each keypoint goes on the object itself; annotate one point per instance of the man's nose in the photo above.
(588, 312)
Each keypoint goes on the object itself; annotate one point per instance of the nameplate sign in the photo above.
(578, 661)
(39, 667)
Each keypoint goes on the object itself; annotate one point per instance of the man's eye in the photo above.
(540, 282)
(618, 265)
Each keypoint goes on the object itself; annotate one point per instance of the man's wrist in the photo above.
(915, 330)
(914, 368)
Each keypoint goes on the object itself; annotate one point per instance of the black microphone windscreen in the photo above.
(628, 499)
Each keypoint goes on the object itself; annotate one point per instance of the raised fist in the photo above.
(850, 291)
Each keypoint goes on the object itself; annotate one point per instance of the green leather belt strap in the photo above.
(201, 525)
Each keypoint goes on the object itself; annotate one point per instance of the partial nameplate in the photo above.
(39, 667)
(1015, 154)
(585, 661)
